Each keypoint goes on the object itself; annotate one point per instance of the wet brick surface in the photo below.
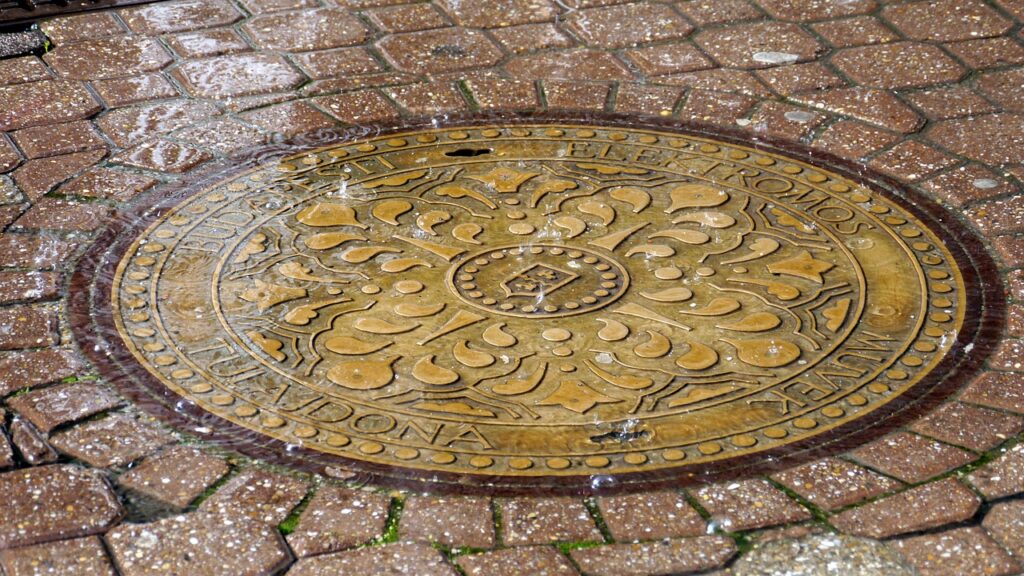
(79, 557)
(198, 544)
(927, 93)
(664, 557)
(522, 560)
(456, 522)
(338, 518)
(543, 520)
(161, 476)
(55, 503)
(928, 506)
(402, 558)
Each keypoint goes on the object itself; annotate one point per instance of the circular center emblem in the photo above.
(539, 281)
(539, 301)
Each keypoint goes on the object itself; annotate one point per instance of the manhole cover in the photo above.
(534, 304)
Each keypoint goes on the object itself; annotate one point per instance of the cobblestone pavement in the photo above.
(930, 93)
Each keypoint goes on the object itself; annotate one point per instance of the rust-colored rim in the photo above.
(92, 321)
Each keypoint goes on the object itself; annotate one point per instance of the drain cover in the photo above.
(514, 303)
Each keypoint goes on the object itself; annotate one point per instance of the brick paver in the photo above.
(743, 505)
(928, 506)
(198, 544)
(666, 557)
(401, 558)
(832, 483)
(543, 520)
(160, 476)
(339, 518)
(515, 561)
(58, 405)
(55, 503)
(257, 495)
(79, 557)
(955, 552)
(456, 522)
(926, 93)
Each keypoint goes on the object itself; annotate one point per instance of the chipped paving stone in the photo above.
(34, 449)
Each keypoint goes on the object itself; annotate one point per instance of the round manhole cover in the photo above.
(537, 304)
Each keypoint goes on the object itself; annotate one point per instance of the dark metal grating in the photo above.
(21, 11)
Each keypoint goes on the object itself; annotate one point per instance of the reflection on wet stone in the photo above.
(539, 300)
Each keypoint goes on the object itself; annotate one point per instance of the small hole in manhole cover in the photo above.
(468, 152)
(531, 304)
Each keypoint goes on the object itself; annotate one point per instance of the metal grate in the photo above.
(21, 11)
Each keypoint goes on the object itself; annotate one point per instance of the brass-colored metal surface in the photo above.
(539, 300)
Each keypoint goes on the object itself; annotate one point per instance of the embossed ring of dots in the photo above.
(514, 302)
